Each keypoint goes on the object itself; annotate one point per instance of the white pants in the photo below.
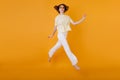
(63, 42)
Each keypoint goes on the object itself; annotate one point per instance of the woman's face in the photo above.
(61, 9)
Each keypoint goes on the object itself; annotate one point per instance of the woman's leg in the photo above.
(71, 56)
(52, 50)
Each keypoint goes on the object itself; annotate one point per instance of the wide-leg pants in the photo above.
(63, 42)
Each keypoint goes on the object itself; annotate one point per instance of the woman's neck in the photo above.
(61, 13)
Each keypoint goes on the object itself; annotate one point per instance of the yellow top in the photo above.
(63, 23)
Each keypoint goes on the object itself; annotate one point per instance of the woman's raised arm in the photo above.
(78, 22)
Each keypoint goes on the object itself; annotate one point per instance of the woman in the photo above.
(62, 25)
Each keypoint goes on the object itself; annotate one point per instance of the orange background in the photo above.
(26, 24)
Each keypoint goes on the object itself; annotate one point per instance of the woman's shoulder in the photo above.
(57, 16)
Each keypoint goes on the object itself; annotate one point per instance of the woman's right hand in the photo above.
(50, 36)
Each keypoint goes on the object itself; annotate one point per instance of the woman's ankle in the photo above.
(76, 67)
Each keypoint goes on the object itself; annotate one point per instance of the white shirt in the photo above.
(63, 23)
